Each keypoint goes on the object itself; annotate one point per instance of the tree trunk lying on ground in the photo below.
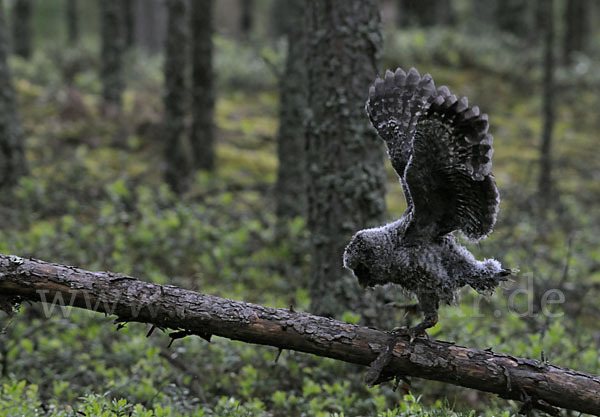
(538, 384)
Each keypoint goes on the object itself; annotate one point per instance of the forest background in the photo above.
(147, 137)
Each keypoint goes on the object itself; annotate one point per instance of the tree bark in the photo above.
(178, 152)
(12, 154)
(150, 24)
(514, 16)
(576, 29)
(539, 384)
(346, 178)
(545, 175)
(203, 92)
(22, 28)
(128, 22)
(424, 13)
(111, 71)
(246, 17)
(290, 191)
(72, 18)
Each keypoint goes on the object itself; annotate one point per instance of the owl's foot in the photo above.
(429, 307)
(412, 332)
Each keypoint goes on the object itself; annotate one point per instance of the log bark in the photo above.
(538, 384)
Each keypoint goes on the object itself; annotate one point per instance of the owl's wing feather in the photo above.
(449, 173)
(440, 147)
(394, 106)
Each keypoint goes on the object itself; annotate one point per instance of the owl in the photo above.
(441, 150)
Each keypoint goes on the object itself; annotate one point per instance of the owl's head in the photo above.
(367, 256)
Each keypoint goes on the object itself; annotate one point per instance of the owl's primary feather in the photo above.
(441, 149)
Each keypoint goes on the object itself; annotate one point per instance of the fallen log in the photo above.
(538, 384)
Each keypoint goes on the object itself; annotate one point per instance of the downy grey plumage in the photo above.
(442, 151)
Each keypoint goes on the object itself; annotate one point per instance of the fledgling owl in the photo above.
(442, 151)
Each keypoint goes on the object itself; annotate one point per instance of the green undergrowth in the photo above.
(95, 198)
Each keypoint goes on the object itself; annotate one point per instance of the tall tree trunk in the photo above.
(150, 24)
(514, 16)
(246, 17)
(290, 190)
(203, 95)
(128, 23)
(280, 18)
(425, 13)
(576, 29)
(178, 151)
(111, 71)
(22, 28)
(545, 178)
(12, 156)
(345, 158)
(482, 13)
(72, 17)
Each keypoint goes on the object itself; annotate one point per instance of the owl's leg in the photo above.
(429, 304)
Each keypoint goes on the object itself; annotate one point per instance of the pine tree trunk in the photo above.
(246, 17)
(425, 13)
(22, 28)
(515, 17)
(203, 100)
(345, 158)
(12, 156)
(128, 23)
(111, 71)
(72, 17)
(177, 147)
(545, 178)
(280, 18)
(290, 191)
(150, 24)
(576, 28)
(483, 13)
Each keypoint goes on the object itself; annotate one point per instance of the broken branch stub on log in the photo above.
(538, 384)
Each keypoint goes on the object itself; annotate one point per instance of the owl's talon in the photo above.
(396, 331)
(412, 332)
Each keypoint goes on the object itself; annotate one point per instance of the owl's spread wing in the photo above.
(445, 150)
(394, 106)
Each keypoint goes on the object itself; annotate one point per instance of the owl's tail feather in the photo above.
(396, 102)
(490, 278)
